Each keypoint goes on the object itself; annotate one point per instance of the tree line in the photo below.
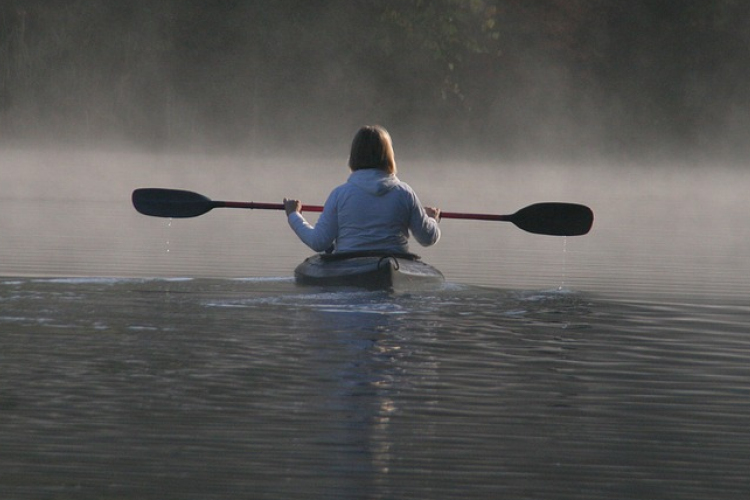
(565, 76)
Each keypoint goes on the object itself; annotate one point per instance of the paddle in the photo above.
(555, 219)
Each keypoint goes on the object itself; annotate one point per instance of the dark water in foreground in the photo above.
(134, 388)
(610, 366)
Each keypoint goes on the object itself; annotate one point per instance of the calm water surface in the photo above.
(144, 358)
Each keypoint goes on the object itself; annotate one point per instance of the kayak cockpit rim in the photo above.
(368, 269)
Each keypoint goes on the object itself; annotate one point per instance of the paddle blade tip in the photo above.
(577, 220)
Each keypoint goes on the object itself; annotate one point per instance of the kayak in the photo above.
(371, 270)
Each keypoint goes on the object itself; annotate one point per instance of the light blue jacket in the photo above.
(373, 210)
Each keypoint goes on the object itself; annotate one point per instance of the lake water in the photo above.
(146, 358)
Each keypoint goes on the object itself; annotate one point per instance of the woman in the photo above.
(373, 210)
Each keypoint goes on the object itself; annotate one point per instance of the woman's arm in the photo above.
(319, 237)
(424, 223)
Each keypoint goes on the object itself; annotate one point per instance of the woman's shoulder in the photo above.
(404, 188)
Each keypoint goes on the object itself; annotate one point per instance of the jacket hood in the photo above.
(374, 180)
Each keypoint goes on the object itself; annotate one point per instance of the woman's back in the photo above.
(373, 210)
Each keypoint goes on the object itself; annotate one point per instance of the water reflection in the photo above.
(359, 339)
(130, 388)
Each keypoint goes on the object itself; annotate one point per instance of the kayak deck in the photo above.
(371, 270)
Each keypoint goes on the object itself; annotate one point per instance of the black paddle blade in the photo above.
(554, 219)
(173, 203)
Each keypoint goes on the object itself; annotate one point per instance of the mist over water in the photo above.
(666, 228)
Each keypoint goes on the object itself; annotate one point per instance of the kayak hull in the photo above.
(375, 271)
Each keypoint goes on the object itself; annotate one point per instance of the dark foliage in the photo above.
(562, 77)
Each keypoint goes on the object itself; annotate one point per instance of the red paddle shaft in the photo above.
(318, 208)
(459, 215)
(263, 206)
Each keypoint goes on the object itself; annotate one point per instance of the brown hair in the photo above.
(372, 148)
